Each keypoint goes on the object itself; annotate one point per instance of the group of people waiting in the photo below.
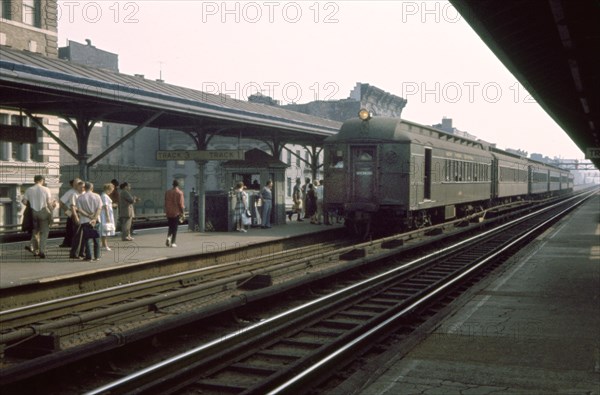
(308, 202)
(307, 198)
(242, 215)
(90, 216)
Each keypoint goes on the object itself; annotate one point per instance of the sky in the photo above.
(300, 51)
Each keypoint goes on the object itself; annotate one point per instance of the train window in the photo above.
(336, 159)
(365, 155)
(457, 170)
(469, 171)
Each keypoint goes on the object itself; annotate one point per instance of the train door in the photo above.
(363, 174)
(427, 175)
(495, 180)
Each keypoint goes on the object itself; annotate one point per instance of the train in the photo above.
(389, 173)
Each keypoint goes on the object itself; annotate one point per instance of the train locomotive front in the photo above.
(385, 174)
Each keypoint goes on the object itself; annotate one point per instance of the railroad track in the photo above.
(106, 319)
(82, 322)
(296, 350)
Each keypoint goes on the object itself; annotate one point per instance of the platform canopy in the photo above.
(43, 85)
(551, 47)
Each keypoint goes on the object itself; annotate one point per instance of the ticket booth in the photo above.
(254, 171)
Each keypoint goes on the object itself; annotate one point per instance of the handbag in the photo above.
(246, 219)
(108, 227)
(248, 214)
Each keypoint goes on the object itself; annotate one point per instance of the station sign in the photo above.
(200, 155)
(18, 134)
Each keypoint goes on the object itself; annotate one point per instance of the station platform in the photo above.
(534, 328)
(18, 266)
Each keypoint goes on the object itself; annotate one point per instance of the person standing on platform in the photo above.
(174, 208)
(67, 201)
(307, 183)
(107, 216)
(240, 216)
(126, 211)
(77, 241)
(40, 199)
(114, 196)
(266, 195)
(88, 209)
(319, 194)
(297, 199)
(311, 203)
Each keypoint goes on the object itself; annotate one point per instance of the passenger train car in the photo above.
(399, 174)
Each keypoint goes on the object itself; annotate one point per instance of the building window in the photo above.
(5, 11)
(31, 12)
(289, 157)
(289, 187)
(298, 158)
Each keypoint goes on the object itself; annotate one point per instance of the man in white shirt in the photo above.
(87, 211)
(42, 205)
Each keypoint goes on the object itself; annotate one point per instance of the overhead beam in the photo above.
(52, 135)
(126, 137)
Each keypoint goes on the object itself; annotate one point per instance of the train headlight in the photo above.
(364, 114)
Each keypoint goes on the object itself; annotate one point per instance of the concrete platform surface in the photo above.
(535, 329)
(18, 266)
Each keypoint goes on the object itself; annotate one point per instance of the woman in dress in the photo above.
(107, 216)
(241, 206)
(311, 203)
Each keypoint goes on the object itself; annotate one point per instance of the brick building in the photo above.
(25, 150)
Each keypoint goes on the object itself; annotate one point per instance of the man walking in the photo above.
(42, 205)
(266, 195)
(174, 207)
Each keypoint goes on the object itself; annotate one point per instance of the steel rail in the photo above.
(216, 278)
(136, 380)
(26, 294)
(315, 373)
(37, 310)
